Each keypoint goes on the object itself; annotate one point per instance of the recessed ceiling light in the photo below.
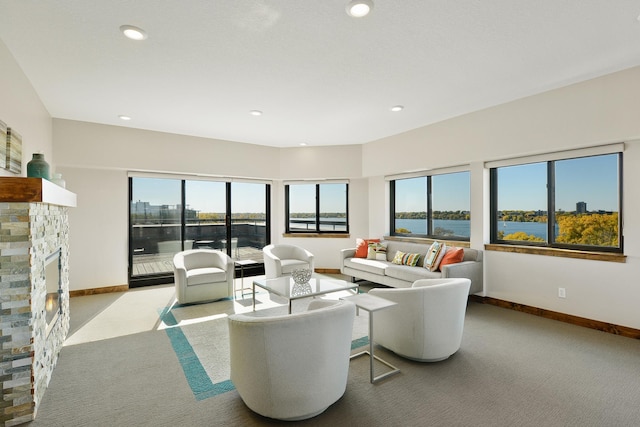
(397, 108)
(303, 144)
(125, 118)
(134, 33)
(255, 112)
(359, 8)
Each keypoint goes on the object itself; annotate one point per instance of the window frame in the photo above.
(429, 198)
(316, 229)
(551, 210)
(163, 277)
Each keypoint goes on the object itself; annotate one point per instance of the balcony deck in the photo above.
(147, 264)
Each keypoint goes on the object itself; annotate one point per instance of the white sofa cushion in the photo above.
(369, 265)
(411, 274)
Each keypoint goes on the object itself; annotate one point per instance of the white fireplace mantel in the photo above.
(19, 189)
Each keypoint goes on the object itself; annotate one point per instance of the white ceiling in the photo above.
(320, 76)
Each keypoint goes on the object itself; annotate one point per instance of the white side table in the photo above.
(242, 263)
(372, 304)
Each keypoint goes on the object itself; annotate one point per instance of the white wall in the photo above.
(94, 146)
(337, 162)
(22, 110)
(332, 162)
(98, 246)
(594, 112)
(95, 160)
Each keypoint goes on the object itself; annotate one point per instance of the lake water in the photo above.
(459, 228)
(462, 228)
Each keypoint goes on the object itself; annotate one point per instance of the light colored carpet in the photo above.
(513, 369)
(199, 335)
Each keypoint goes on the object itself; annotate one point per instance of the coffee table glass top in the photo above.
(286, 287)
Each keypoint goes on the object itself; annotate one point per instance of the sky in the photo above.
(203, 196)
(209, 196)
(593, 180)
(450, 193)
(302, 198)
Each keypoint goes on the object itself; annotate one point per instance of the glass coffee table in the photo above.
(285, 287)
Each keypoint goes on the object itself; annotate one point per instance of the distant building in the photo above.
(581, 207)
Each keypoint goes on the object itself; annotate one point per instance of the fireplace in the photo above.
(53, 285)
(34, 303)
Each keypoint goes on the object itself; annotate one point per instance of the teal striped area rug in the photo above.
(201, 384)
(199, 337)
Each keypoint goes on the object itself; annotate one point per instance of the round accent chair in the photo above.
(427, 323)
(202, 275)
(282, 260)
(293, 366)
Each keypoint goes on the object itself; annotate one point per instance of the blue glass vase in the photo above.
(38, 167)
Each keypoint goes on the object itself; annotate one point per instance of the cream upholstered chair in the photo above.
(202, 275)
(281, 260)
(294, 366)
(427, 323)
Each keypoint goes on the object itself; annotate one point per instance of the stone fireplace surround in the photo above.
(33, 225)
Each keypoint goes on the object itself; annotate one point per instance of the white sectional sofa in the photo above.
(403, 276)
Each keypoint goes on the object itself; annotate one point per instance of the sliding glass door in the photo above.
(171, 215)
(248, 220)
(207, 203)
(155, 225)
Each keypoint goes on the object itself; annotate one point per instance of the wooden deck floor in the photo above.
(163, 263)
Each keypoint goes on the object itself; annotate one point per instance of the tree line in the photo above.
(452, 215)
(589, 229)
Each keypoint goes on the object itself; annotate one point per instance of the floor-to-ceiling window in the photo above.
(206, 203)
(249, 207)
(168, 215)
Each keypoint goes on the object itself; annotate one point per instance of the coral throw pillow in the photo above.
(362, 247)
(453, 256)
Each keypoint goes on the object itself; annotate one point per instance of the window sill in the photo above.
(316, 235)
(423, 240)
(563, 253)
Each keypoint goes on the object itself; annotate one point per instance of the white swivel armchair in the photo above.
(292, 367)
(202, 275)
(281, 260)
(427, 323)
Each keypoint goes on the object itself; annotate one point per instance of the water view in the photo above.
(462, 228)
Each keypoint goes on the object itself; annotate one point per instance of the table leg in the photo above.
(253, 288)
(372, 357)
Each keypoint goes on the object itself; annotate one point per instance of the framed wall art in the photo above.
(3, 145)
(14, 151)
